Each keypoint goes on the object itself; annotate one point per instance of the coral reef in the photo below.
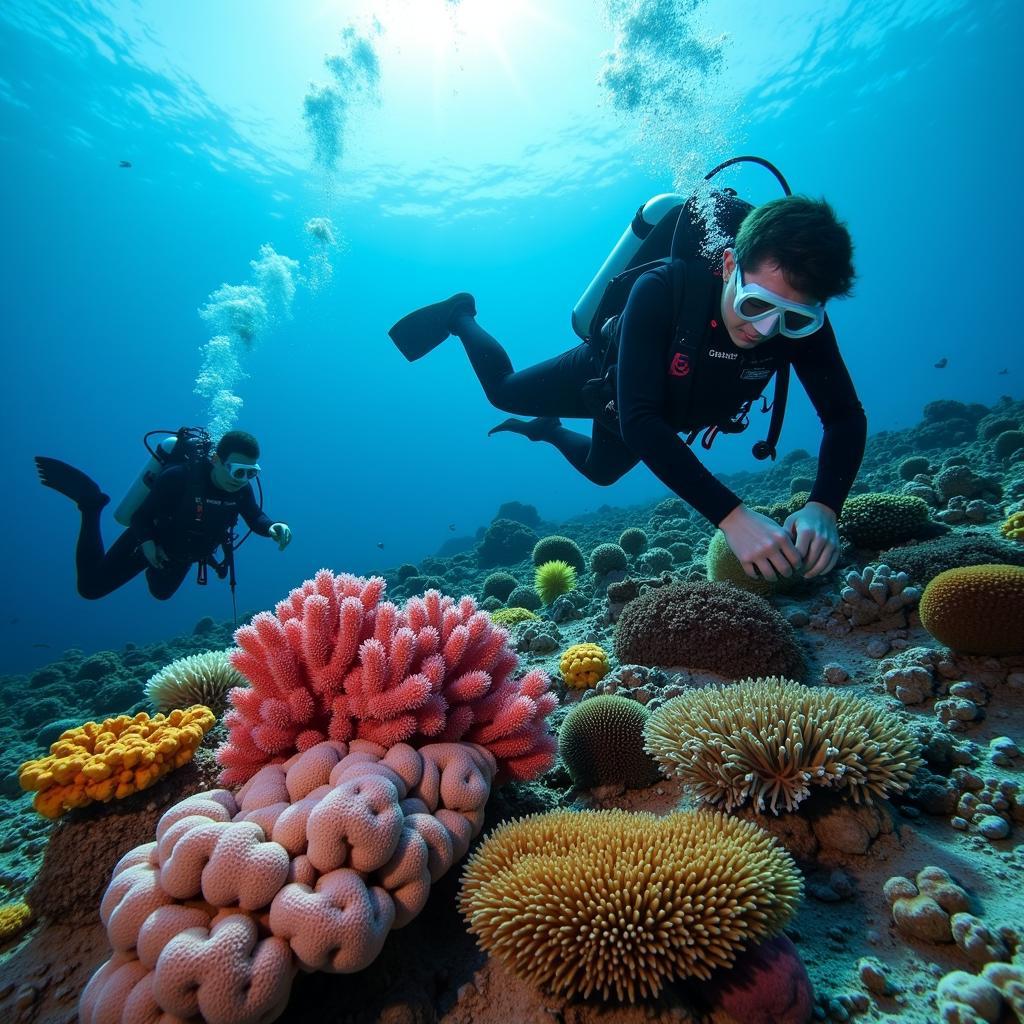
(606, 558)
(1013, 527)
(880, 520)
(328, 852)
(499, 585)
(923, 908)
(195, 679)
(505, 542)
(633, 541)
(877, 595)
(14, 918)
(621, 904)
(601, 743)
(558, 549)
(507, 617)
(336, 662)
(113, 759)
(712, 626)
(582, 665)
(768, 741)
(923, 561)
(977, 609)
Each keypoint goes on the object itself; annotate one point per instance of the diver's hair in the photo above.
(806, 239)
(238, 441)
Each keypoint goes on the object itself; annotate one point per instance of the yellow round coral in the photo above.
(976, 609)
(1013, 528)
(616, 902)
(114, 758)
(14, 918)
(582, 665)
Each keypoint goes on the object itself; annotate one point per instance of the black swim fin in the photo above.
(537, 429)
(70, 482)
(422, 330)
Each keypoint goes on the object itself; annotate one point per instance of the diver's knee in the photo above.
(604, 477)
(91, 593)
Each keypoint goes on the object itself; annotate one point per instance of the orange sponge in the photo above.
(114, 758)
(976, 609)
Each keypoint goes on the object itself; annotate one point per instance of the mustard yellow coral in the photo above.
(113, 759)
(14, 917)
(583, 665)
(511, 616)
(976, 609)
(611, 902)
(1013, 528)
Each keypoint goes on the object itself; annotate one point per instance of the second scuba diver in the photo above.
(189, 510)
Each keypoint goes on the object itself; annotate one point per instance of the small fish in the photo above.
(942, 363)
(451, 526)
(47, 646)
(380, 544)
(125, 163)
(1003, 372)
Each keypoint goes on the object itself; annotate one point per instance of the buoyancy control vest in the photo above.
(711, 387)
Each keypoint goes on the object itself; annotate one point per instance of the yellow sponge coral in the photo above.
(114, 758)
(976, 609)
(14, 917)
(582, 665)
(1013, 528)
(511, 616)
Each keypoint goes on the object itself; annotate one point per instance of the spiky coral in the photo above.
(768, 741)
(619, 903)
(553, 579)
(112, 759)
(198, 679)
(337, 662)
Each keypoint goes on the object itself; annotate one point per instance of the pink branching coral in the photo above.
(336, 662)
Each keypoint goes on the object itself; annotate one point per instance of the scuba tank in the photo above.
(642, 234)
(159, 457)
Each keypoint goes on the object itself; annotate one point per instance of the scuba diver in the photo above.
(693, 340)
(184, 506)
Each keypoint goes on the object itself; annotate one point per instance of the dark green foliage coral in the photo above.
(558, 549)
(606, 558)
(924, 561)
(712, 626)
(407, 570)
(909, 468)
(505, 542)
(524, 597)
(879, 520)
(499, 585)
(601, 743)
(1008, 442)
(633, 541)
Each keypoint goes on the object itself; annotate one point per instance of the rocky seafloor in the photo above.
(963, 813)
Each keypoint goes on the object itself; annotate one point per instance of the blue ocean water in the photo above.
(390, 154)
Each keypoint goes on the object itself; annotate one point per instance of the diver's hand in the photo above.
(155, 555)
(760, 544)
(817, 537)
(281, 532)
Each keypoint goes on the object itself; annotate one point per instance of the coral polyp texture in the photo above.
(619, 904)
(552, 579)
(879, 520)
(309, 866)
(713, 626)
(14, 918)
(1013, 528)
(601, 743)
(583, 665)
(976, 609)
(767, 742)
(196, 679)
(511, 616)
(112, 759)
(336, 662)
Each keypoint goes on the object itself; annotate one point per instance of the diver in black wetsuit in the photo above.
(790, 256)
(182, 520)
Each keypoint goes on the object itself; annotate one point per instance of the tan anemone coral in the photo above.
(767, 741)
(620, 903)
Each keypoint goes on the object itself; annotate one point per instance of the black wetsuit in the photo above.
(168, 516)
(649, 425)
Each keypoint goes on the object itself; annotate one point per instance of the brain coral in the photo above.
(113, 759)
(560, 549)
(924, 561)
(879, 520)
(583, 665)
(976, 609)
(197, 679)
(601, 742)
(767, 741)
(712, 626)
(619, 903)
